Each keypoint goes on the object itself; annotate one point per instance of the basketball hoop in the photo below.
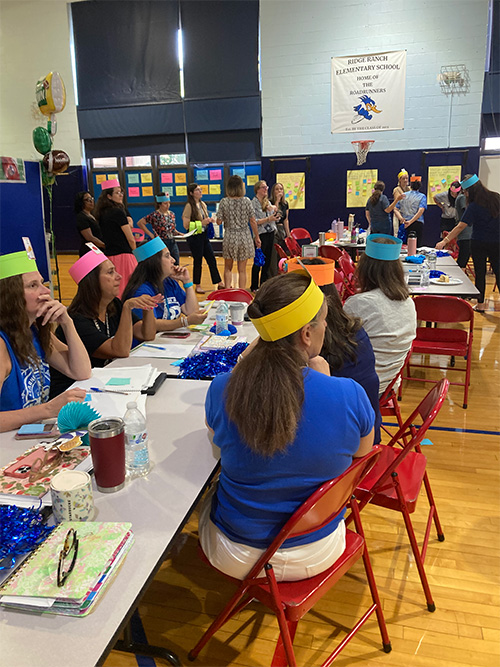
(361, 149)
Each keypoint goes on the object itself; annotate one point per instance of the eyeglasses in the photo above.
(41, 467)
(88, 199)
(69, 550)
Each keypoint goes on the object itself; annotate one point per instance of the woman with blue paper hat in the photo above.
(157, 273)
(483, 215)
(28, 346)
(106, 326)
(384, 305)
(162, 220)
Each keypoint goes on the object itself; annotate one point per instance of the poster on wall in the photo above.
(12, 170)
(439, 180)
(368, 92)
(295, 188)
(360, 183)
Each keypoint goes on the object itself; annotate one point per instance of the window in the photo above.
(175, 158)
(138, 161)
(492, 144)
(105, 162)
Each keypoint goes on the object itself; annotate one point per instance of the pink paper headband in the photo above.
(87, 263)
(113, 183)
(455, 189)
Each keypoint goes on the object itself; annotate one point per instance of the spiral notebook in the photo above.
(101, 549)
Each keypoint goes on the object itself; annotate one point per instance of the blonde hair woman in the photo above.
(266, 217)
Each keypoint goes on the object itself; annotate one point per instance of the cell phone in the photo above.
(34, 431)
(176, 334)
(22, 468)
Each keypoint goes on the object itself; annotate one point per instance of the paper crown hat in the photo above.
(469, 181)
(163, 197)
(293, 317)
(147, 250)
(387, 252)
(403, 172)
(17, 263)
(322, 274)
(87, 263)
(113, 183)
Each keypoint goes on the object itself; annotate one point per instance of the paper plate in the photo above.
(453, 281)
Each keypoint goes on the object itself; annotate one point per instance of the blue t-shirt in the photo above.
(411, 203)
(26, 385)
(484, 226)
(174, 295)
(363, 371)
(380, 221)
(256, 495)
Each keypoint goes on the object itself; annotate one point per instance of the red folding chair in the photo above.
(443, 340)
(330, 251)
(138, 234)
(388, 402)
(280, 252)
(293, 247)
(348, 268)
(230, 294)
(301, 234)
(338, 281)
(290, 600)
(396, 479)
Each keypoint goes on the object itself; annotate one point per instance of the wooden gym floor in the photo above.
(463, 571)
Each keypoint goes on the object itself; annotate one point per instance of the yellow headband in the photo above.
(403, 172)
(291, 318)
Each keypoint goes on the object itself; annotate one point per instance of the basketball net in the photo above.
(361, 149)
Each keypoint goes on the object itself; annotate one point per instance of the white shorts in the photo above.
(291, 564)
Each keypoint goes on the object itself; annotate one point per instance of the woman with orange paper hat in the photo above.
(27, 345)
(277, 440)
(116, 230)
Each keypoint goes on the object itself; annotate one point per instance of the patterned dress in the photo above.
(235, 214)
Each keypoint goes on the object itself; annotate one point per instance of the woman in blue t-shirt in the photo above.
(283, 429)
(378, 210)
(157, 273)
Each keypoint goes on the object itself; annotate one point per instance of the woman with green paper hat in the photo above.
(28, 346)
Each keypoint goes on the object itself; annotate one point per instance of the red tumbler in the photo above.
(107, 447)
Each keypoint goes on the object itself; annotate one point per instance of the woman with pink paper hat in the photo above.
(105, 324)
(28, 346)
(116, 230)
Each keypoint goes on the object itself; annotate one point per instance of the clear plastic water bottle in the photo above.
(425, 276)
(222, 318)
(333, 226)
(136, 442)
(432, 260)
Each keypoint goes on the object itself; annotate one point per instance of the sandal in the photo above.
(198, 290)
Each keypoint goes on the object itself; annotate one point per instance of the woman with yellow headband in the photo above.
(28, 346)
(272, 419)
(400, 189)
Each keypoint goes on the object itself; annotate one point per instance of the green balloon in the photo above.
(42, 140)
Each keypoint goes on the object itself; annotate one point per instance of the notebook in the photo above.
(101, 549)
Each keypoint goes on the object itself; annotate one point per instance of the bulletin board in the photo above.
(359, 186)
(439, 180)
(174, 182)
(139, 186)
(211, 181)
(249, 173)
(99, 177)
(295, 189)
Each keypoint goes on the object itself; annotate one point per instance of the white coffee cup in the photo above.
(237, 311)
(72, 498)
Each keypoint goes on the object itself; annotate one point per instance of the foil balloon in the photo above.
(42, 140)
(56, 162)
(50, 94)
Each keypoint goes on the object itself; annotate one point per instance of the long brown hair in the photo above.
(265, 201)
(265, 393)
(273, 195)
(88, 296)
(488, 199)
(192, 202)
(150, 270)
(14, 322)
(378, 189)
(386, 275)
(105, 202)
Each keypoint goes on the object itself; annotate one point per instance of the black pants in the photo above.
(447, 224)
(463, 253)
(267, 241)
(482, 251)
(200, 248)
(418, 228)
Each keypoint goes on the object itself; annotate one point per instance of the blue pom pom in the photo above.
(209, 364)
(436, 274)
(260, 258)
(210, 230)
(21, 530)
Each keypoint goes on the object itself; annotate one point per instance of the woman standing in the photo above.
(378, 209)
(400, 189)
(384, 305)
(483, 215)
(157, 274)
(116, 230)
(266, 217)
(464, 238)
(282, 225)
(27, 345)
(446, 202)
(105, 325)
(236, 213)
(86, 224)
(410, 210)
(199, 243)
(162, 220)
(277, 439)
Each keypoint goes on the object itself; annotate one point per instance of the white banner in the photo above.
(368, 92)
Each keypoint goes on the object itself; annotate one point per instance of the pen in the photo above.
(156, 347)
(97, 390)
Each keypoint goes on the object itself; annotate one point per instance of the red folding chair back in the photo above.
(442, 340)
(330, 251)
(233, 294)
(348, 268)
(290, 600)
(138, 234)
(388, 402)
(301, 234)
(338, 281)
(396, 479)
(293, 247)
(280, 252)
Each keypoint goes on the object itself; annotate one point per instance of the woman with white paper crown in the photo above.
(400, 189)
(157, 273)
(162, 221)
(105, 324)
(116, 230)
(28, 346)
